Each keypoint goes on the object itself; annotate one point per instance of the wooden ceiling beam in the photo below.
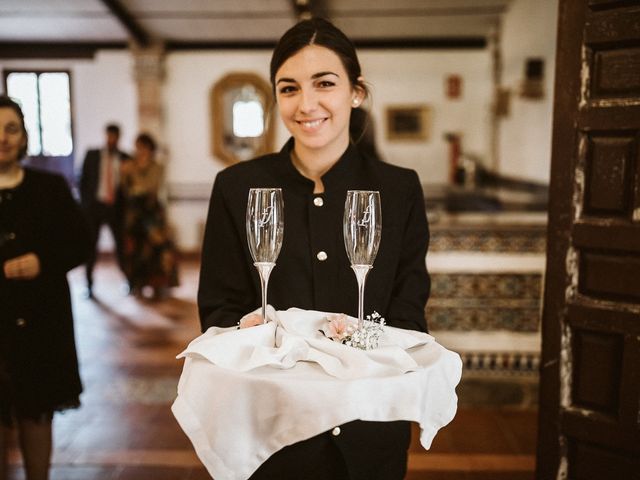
(131, 25)
(24, 50)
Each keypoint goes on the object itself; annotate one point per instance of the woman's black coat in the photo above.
(36, 326)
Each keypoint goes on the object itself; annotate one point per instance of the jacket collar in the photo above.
(340, 177)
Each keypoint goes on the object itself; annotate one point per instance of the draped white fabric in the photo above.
(245, 394)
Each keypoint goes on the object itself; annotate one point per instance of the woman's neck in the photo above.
(11, 175)
(314, 164)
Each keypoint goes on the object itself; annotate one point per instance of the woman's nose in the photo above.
(308, 101)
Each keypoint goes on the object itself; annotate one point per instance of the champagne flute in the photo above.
(265, 229)
(362, 226)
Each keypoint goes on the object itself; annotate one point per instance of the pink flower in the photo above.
(251, 320)
(340, 326)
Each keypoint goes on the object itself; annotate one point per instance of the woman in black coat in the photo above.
(43, 235)
(317, 83)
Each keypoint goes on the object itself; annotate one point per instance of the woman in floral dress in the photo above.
(149, 253)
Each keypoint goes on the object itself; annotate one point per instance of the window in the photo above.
(46, 103)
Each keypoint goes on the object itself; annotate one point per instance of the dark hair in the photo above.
(361, 131)
(147, 140)
(8, 102)
(321, 32)
(113, 128)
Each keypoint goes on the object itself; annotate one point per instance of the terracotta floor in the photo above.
(125, 430)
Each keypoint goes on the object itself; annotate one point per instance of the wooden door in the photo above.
(589, 423)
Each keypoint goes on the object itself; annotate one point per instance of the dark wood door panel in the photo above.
(605, 317)
(609, 170)
(597, 371)
(590, 370)
(606, 234)
(600, 430)
(610, 276)
(616, 116)
(613, 26)
(592, 462)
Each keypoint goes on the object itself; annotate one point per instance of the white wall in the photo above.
(529, 30)
(418, 77)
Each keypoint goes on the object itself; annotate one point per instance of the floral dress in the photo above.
(149, 253)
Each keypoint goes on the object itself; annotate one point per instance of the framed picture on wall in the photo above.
(408, 122)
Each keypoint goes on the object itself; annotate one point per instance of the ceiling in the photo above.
(52, 27)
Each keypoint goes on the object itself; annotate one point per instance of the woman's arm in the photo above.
(72, 239)
(226, 291)
(412, 284)
(62, 242)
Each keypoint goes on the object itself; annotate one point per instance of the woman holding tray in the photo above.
(317, 82)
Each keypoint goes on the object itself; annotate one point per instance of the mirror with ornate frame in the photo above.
(241, 106)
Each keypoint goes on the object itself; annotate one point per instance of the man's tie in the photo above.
(109, 180)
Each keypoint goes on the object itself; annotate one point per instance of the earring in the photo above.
(355, 102)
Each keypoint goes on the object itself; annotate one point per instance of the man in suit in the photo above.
(101, 196)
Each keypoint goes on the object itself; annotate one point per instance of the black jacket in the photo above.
(36, 325)
(398, 285)
(90, 177)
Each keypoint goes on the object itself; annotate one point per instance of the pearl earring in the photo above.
(355, 102)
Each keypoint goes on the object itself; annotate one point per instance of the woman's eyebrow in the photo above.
(322, 74)
(314, 76)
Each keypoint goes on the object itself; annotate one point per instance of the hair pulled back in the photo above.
(321, 32)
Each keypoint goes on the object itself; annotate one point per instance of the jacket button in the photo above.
(322, 256)
(21, 322)
(335, 432)
(318, 201)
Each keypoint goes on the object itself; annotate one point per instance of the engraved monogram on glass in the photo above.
(362, 227)
(265, 229)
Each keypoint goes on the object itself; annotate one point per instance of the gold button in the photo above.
(322, 256)
(318, 201)
(335, 432)
(21, 322)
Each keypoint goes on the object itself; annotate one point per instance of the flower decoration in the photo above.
(340, 327)
(344, 329)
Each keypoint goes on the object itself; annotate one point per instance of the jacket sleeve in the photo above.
(68, 242)
(412, 283)
(85, 193)
(226, 291)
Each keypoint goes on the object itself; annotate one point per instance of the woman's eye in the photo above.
(326, 83)
(287, 89)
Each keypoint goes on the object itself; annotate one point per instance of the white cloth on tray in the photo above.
(245, 394)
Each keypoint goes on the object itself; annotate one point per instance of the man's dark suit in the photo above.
(98, 212)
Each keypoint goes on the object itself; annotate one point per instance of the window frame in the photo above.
(62, 164)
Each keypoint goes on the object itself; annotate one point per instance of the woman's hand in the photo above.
(24, 267)
(251, 320)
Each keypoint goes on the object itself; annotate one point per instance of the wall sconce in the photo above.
(533, 83)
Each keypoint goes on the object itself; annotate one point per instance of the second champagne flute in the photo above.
(362, 226)
(265, 229)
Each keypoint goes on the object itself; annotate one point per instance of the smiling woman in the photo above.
(317, 82)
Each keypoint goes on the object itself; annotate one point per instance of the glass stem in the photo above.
(264, 270)
(361, 276)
